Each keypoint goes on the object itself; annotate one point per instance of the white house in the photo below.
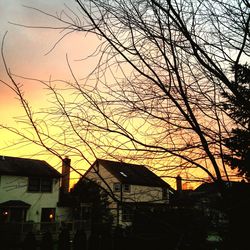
(130, 187)
(29, 190)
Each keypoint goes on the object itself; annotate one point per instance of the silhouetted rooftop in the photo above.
(26, 167)
(232, 185)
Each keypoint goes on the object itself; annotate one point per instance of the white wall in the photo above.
(143, 194)
(137, 193)
(15, 188)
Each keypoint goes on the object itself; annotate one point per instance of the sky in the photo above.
(27, 52)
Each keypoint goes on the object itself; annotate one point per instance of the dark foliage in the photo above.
(174, 228)
(47, 241)
(236, 204)
(79, 241)
(29, 242)
(90, 193)
(64, 239)
(239, 110)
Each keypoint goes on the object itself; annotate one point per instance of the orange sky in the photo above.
(25, 52)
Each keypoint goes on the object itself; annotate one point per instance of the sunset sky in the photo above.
(26, 52)
(34, 53)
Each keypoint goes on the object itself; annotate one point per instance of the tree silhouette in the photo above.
(155, 93)
(88, 192)
(239, 140)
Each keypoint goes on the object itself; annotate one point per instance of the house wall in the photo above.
(143, 194)
(98, 174)
(137, 193)
(15, 188)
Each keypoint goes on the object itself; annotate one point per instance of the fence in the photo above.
(18, 230)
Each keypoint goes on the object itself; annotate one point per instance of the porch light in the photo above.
(51, 216)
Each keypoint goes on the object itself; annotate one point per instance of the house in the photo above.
(29, 191)
(130, 187)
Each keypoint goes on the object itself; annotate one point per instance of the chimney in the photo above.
(65, 174)
(178, 183)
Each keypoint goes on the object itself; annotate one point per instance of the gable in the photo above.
(26, 167)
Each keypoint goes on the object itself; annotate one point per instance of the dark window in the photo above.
(127, 214)
(126, 188)
(46, 185)
(117, 187)
(36, 184)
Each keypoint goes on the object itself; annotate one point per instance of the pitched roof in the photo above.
(26, 167)
(132, 173)
(15, 203)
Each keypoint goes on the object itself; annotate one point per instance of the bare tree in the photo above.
(156, 91)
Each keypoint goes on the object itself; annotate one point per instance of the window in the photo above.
(36, 184)
(127, 214)
(117, 187)
(46, 185)
(126, 188)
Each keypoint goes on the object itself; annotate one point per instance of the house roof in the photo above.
(26, 167)
(132, 173)
(228, 185)
(15, 204)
